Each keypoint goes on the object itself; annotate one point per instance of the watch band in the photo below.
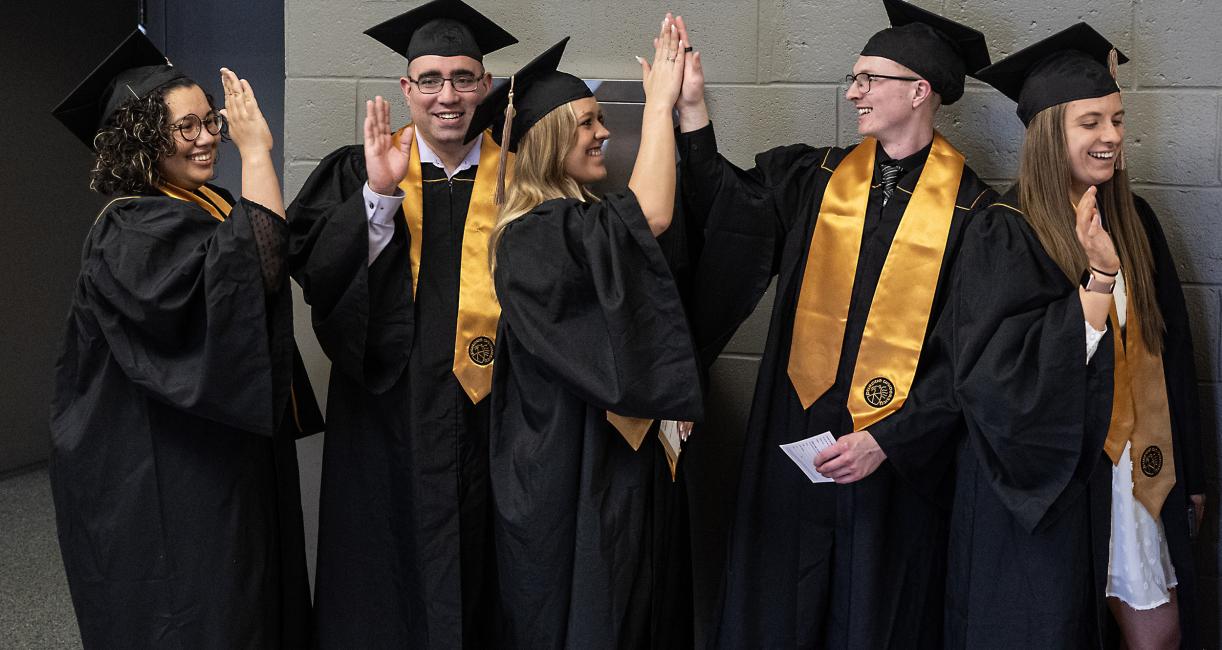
(1095, 285)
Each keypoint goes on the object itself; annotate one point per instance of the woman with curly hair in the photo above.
(179, 392)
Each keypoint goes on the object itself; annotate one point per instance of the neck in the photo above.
(905, 144)
(1076, 190)
(451, 155)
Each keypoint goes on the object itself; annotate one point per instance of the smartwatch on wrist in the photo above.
(1095, 285)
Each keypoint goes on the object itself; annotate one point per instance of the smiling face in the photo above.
(193, 162)
(584, 161)
(886, 111)
(442, 118)
(1094, 133)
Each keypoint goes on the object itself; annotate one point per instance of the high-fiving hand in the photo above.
(247, 127)
(385, 163)
(1100, 251)
(663, 79)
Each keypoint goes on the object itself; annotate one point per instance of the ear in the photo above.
(921, 94)
(405, 85)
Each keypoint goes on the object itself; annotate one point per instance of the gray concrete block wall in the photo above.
(774, 69)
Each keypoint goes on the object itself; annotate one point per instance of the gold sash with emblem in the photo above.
(478, 309)
(899, 313)
(1141, 415)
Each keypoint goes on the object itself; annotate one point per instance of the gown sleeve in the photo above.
(585, 289)
(181, 303)
(745, 216)
(1178, 363)
(362, 313)
(1036, 415)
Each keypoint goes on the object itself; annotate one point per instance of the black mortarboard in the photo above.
(1069, 65)
(134, 69)
(939, 49)
(443, 28)
(538, 89)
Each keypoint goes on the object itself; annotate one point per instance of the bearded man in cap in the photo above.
(389, 244)
(862, 239)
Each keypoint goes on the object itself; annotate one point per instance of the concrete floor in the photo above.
(35, 608)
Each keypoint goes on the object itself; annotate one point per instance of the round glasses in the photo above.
(432, 84)
(189, 126)
(863, 80)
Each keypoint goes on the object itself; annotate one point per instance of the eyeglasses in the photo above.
(189, 127)
(863, 79)
(432, 84)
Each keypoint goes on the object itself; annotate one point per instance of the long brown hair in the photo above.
(538, 171)
(1043, 193)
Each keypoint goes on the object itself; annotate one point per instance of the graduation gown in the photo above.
(591, 321)
(811, 565)
(1029, 542)
(178, 396)
(403, 515)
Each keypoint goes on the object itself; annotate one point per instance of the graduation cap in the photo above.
(134, 69)
(1075, 63)
(443, 28)
(529, 95)
(938, 49)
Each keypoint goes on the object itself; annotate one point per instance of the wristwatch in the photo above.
(1095, 285)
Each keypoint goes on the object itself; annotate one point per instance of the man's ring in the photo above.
(688, 48)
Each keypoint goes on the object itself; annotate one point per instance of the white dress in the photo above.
(1139, 570)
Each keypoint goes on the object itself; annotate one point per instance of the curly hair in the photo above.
(134, 138)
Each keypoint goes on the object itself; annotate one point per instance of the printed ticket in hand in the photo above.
(803, 453)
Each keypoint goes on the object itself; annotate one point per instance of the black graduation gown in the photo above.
(1031, 517)
(811, 565)
(591, 321)
(173, 464)
(403, 545)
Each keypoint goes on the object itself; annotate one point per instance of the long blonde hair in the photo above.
(1043, 190)
(538, 171)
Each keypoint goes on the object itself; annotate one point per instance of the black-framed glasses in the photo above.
(864, 79)
(190, 125)
(433, 83)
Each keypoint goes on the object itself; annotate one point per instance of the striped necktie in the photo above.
(890, 173)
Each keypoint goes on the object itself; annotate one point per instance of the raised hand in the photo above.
(692, 93)
(663, 79)
(247, 127)
(385, 163)
(1100, 251)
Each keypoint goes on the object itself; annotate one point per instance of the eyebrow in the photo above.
(1099, 114)
(437, 73)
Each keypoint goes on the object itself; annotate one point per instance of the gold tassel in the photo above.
(506, 134)
(1113, 67)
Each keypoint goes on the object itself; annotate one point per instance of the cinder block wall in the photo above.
(774, 70)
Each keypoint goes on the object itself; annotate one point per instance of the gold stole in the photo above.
(478, 309)
(1140, 414)
(899, 313)
(210, 201)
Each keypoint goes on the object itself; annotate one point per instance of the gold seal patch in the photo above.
(879, 392)
(481, 350)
